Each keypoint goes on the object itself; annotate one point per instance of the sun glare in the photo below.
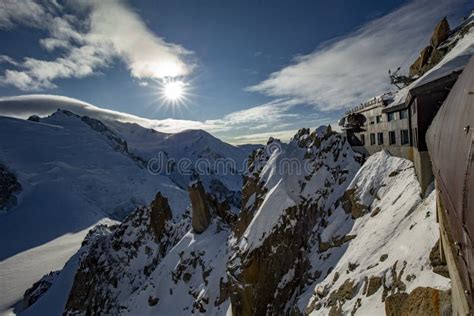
(173, 90)
(173, 94)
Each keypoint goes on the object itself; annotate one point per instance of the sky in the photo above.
(250, 68)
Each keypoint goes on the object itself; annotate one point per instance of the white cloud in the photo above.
(260, 116)
(354, 68)
(146, 55)
(8, 60)
(44, 104)
(25, 11)
(262, 138)
(90, 40)
(244, 124)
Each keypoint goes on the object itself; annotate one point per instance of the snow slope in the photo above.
(337, 238)
(209, 158)
(393, 240)
(76, 171)
(71, 178)
(19, 272)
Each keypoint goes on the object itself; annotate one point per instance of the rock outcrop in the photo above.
(433, 53)
(422, 301)
(305, 242)
(440, 33)
(9, 187)
(270, 266)
(201, 215)
(122, 257)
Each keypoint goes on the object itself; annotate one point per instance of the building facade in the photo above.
(399, 127)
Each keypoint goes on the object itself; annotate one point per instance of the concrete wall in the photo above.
(423, 168)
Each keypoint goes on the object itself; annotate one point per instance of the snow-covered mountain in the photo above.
(62, 174)
(320, 232)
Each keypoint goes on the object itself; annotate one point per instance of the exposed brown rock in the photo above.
(396, 285)
(431, 54)
(201, 216)
(373, 285)
(159, 215)
(344, 293)
(425, 301)
(255, 283)
(440, 33)
(394, 304)
(422, 301)
(416, 69)
(256, 190)
(102, 274)
(350, 204)
(334, 242)
(375, 212)
(439, 265)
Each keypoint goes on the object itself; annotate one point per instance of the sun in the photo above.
(172, 94)
(173, 91)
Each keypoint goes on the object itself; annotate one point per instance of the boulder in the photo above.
(201, 215)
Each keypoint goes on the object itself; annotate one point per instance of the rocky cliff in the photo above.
(320, 232)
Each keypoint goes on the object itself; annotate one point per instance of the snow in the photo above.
(19, 272)
(176, 295)
(405, 229)
(188, 278)
(189, 144)
(73, 177)
(284, 173)
(456, 59)
(276, 201)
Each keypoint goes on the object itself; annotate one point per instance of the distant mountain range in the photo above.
(67, 172)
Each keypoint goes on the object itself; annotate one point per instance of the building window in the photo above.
(378, 118)
(405, 138)
(372, 138)
(403, 114)
(372, 121)
(380, 138)
(362, 139)
(390, 116)
(392, 139)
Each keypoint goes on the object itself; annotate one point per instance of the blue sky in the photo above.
(252, 68)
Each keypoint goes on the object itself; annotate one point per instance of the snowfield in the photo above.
(377, 247)
(76, 172)
(393, 239)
